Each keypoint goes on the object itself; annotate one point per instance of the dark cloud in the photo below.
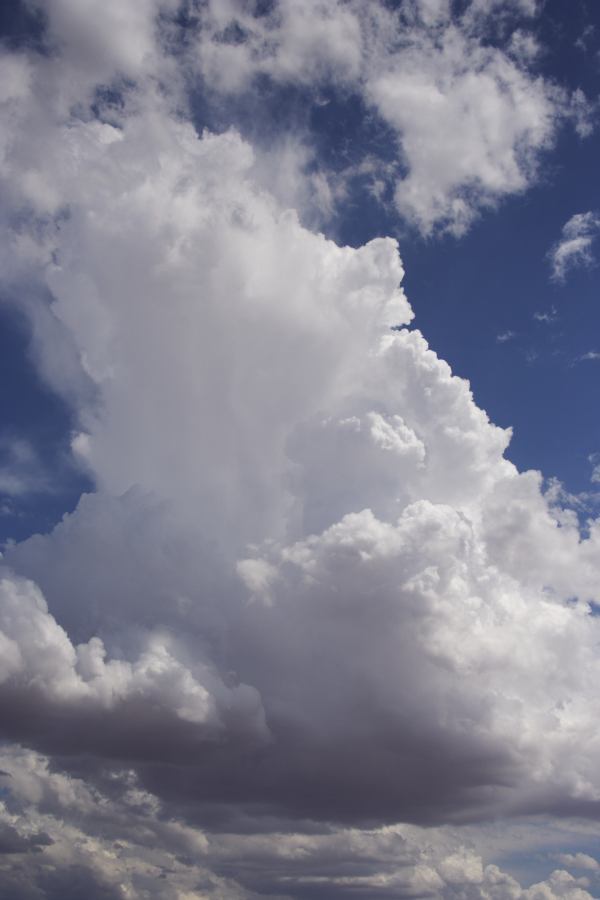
(13, 842)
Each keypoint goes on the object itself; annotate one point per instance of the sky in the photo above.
(299, 454)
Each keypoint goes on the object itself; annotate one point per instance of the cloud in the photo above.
(579, 861)
(594, 459)
(22, 472)
(112, 841)
(485, 7)
(589, 356)
(434, 570)
(583, 113)
(574, 249)
(548, 318)
(469, 119)
(58, 682)
(101, 40)
(308, 597)
(470, 122)
(71, 840)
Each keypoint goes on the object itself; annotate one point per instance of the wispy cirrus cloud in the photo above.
(547, 317)
(575, 248)
(588, 356)
(505, 336)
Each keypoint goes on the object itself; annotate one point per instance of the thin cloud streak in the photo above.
(575, 248)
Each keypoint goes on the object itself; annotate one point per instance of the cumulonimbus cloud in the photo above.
(308, 587)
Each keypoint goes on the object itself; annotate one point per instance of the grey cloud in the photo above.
(123, 843)
(13, 842)
(75, 882)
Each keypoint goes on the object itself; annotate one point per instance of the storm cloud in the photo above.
(309, 598)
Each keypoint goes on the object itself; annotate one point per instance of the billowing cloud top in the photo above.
(309, 595)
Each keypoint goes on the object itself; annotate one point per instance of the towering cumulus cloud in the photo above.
(310, 625)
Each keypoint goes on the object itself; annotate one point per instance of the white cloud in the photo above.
(469, 118)
(525, 7)
(574, 249)
(302, 42)
(470, 123)
(525, 48)
(579, 861)
(108, 38)
(286, 409)
(583, 113)
(423, 648)
(546, 317)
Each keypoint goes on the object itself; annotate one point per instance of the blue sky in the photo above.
(282, 610)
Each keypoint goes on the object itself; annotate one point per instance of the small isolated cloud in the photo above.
(590, 356)
(594, 458)
(586, 38)
(583, 113)
(575, 247)
(547, 317)
(505, 336)
(531, 356)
